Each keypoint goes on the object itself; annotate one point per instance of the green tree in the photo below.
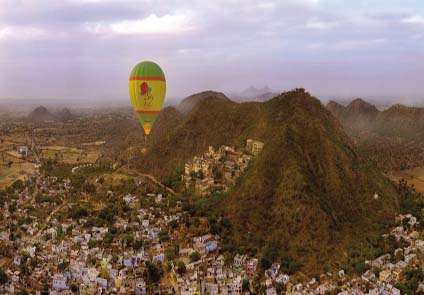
(138, 244)
(195, 256)
(18, 185)
(3, 277)
(63, 265)
(74, 288)
(245, 285)
(154, 273)
(181, 267)
(288, 264)
(170, 253)
(269, 255)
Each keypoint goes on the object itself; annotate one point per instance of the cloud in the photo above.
(359, 44)
(265, 5)
(22, 33)
(415, 19)
(316, 23)
(153, 24)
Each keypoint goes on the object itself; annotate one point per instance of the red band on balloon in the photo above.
(147, 78)
(141, 112)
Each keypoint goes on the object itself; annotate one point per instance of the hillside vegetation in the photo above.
(307, 197)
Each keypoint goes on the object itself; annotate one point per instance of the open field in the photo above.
(17, 171)
(14, 154)
(417, 172)
(414, 177)
(115, 178)
(70, 155)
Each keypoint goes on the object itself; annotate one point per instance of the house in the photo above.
(254, 146)
(128, 262)
(251, 266)
(211, 246)
(129, 199)
(411, 259)
(158, 258)
(239, 260)
(203, 186)
(59, 282)
(385, 275)
(17, 260)
(102, 283)
(145, 223)
(273, 271)
(140, 287)
(52, 232)
(4, 236)
(237, 285)
(23, 150)
(282, 279)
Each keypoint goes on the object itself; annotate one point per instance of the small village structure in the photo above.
(215, 171)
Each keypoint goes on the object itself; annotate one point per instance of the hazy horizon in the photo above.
(86, 48)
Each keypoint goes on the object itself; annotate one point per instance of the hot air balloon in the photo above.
(147, 88)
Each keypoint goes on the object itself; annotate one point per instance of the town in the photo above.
(90, 234)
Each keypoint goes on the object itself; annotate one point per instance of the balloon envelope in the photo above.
(147, 88)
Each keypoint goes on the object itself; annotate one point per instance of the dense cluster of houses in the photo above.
(214, 171)
(69, 257)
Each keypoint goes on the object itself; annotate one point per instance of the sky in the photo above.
(85, 49)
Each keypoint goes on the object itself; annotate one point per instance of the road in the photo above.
(41, 231)
(150, 177)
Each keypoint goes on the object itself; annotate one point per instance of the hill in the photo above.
(65, 115)
(393, 138)
(188, 103)
(167, 119)
(397, 121)
(308, 195)
(40, 114)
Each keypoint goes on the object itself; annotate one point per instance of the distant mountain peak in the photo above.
(41, 114)
(335, 108)
(65, 114)
(252, 91)
(358, 106)
(398, 108)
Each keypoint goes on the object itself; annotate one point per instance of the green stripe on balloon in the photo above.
(147, 118)
(147, 69)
